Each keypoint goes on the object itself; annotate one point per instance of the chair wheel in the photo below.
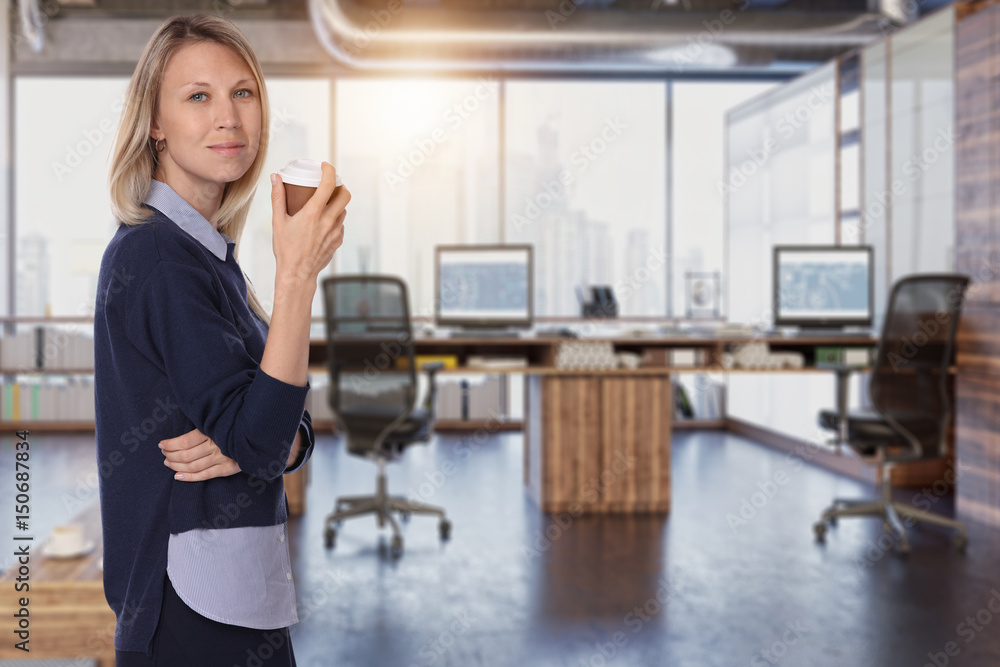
(961, 541)
(397, 546)
(444, 528)
(819, 528)
(329, 537)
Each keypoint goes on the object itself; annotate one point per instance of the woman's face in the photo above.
(209, 114)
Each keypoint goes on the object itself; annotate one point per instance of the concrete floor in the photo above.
(697, 587)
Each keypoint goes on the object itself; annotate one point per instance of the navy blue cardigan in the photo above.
(176, 348)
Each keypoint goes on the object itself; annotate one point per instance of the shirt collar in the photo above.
(163, 198)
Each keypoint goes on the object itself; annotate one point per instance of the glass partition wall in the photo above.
(876, 193)
(780, 190)
(922, 163)
(857, 152)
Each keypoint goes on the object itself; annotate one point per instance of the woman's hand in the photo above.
(304, 243)
(195, 457)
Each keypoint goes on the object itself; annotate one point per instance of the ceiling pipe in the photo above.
(404, 36)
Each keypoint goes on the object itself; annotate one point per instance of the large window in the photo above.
(61, 238)
(586, 185)
(300, 127)
(584, 171)
(421, 158)
(922, 159)
(62, 216)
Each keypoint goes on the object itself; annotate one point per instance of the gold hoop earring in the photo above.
(160, 145)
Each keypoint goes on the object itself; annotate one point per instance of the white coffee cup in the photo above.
(301, 178)
(66, 539)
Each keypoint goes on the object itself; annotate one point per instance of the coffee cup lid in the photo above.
(307, 173)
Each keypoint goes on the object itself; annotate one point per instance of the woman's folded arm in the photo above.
(176, 322)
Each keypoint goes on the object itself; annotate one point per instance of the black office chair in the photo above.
(909, 388)
(373, 391)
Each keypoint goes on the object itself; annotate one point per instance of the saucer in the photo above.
(49, 552)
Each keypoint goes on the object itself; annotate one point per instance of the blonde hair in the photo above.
(134, 156)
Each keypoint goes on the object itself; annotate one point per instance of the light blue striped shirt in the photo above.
(240, 576)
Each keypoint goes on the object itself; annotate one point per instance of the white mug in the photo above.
(66, 539)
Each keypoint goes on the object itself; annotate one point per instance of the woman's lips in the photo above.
(228, 150)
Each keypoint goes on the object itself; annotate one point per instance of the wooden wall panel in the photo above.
(977, 243)
(978, 341)
(976, 234)
(978, 443)
(991, 269)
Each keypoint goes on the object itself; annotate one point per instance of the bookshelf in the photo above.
(46, 374)
(62, 357)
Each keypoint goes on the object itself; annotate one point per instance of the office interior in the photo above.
(632, 463)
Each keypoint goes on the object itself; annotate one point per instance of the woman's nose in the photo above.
(228, 116)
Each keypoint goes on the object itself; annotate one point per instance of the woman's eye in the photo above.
(245, 90)
(196, 95)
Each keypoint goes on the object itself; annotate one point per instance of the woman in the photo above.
(200, 394)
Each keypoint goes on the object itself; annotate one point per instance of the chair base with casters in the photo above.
(383, 506)
(894, 515)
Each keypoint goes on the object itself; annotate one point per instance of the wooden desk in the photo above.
(598, 441)
(69, 616)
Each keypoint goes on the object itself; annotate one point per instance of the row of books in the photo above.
(47, 348)
(70, 400)
(701, 398)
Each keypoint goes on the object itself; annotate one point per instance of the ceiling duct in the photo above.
(594, 35)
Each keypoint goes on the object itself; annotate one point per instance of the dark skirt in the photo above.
(185, 637)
